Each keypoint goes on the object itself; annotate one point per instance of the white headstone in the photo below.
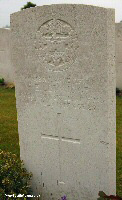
(64, 62)
(119, 55)
(6, 70)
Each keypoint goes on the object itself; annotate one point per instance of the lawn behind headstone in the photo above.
(119, 144)
(9, 139)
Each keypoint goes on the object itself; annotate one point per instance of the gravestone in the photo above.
(6, 70)
(119, 55)
(64, 63)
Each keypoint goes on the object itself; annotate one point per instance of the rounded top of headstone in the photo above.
(56, 5)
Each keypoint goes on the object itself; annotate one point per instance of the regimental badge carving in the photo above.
(56, 44)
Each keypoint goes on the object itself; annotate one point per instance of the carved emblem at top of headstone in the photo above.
(56, 44)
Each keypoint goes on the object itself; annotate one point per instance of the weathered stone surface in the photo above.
(119, 55)
(64, 61)
(6, 71)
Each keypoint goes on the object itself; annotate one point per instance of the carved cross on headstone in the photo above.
(60, 139)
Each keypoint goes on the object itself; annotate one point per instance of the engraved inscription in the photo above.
(56, 44)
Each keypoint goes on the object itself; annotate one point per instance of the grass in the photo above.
(119, 144)
(9, 139)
